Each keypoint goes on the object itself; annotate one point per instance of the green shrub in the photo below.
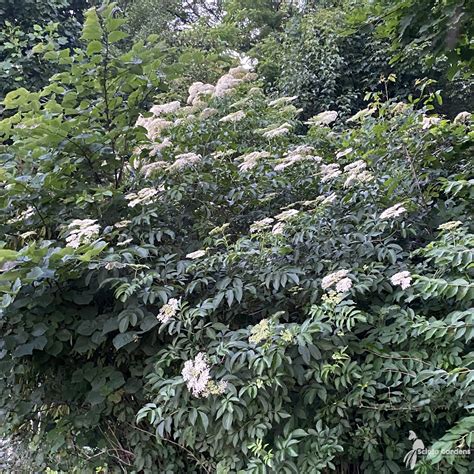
(201, 289)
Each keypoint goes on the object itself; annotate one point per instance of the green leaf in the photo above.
(121, 340)
(117, 36)
(94, 47)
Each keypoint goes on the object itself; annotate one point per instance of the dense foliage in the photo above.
(26, 27)
(226, 282)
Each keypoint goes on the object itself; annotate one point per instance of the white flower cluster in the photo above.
(198, 90)
(261, 224)
(394, 211)
(144, 196)
(286, 215)
(169, 108)
(329, 172)
(399, 107)
(282, 101)
(450, 225)
(225, 85)
(81, 231)
(215, 388)
(402, 279)
(462, 117)
(428, 122)
(300, 153)
(340, 279)
(357, 173)
(149, 169)
(185, 160)
(260, 332)
(233, 117)
(153, 125)
(267, 222)
(278, 228)
(196, 254)
(122, 224)
(158, 147)
(168, 311)
(250, 160)
(207, 112)
(343, 153)
(323, 118)
(197, 375)
(233, 78)
(277, 131)
(328, 199)
(223, 154)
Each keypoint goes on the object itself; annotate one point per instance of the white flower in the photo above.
(223, 154)
(393, 211)
(356, 166)
(278, 228)
(198, 90)
(302, 150)
(124, 242)
(250, 160)
(196, 254)
(450, 225)
(462, 117)
(260, 332)
(399, 107)
(298, 154)
(329, 199)
(168, 108)
(153, 125)
(285, 215)
(323, 118)
(329, 172)
(342, 153)
(196, 374)
(278, 131)
(402, 279)
(207, 112)
(144, 196)
(81, 231)
(121, 224)
(282, 101)
(148, 170)
(356, 173)
(233, 117)
(158, 147)
(168, 310)
(430, 121)
(239, 72)
(213, 388)
(333, 278)
(185, 160)
(344, 285)
(257, 226)
(250, 76)
(227, 83)
(354, 177)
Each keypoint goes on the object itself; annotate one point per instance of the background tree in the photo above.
(25, 24)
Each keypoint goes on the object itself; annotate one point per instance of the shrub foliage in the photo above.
(201, 288)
